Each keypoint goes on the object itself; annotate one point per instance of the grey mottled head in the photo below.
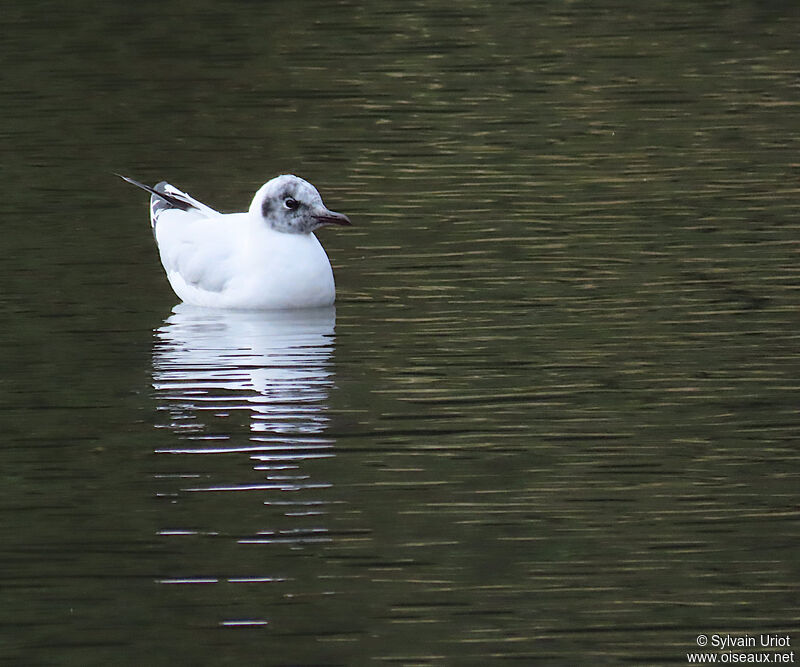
(291, 205)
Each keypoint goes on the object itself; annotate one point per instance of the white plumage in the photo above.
(266, 258)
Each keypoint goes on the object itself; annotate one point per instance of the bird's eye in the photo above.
(290, 203)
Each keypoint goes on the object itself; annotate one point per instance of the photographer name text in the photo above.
(724, 642)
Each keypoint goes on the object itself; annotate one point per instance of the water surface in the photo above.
(553, 416)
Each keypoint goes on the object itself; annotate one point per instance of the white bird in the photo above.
(267, 258)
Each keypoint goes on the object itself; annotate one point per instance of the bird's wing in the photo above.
(199, 251)
(166, 197)
(198, 245)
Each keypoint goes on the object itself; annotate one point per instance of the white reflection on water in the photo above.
(254, 384)
(210, 367)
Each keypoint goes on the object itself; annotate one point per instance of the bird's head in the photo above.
(291, 205)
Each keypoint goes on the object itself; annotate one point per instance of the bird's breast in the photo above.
(287, 271)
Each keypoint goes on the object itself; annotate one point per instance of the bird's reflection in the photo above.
(214, 369)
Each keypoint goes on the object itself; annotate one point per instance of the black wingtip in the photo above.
(133, 181)
(172, 200)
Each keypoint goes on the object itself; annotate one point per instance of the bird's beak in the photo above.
(327, 217)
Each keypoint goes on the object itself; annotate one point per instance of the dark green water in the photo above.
(553, 418)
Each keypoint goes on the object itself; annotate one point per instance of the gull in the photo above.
(266, 258)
